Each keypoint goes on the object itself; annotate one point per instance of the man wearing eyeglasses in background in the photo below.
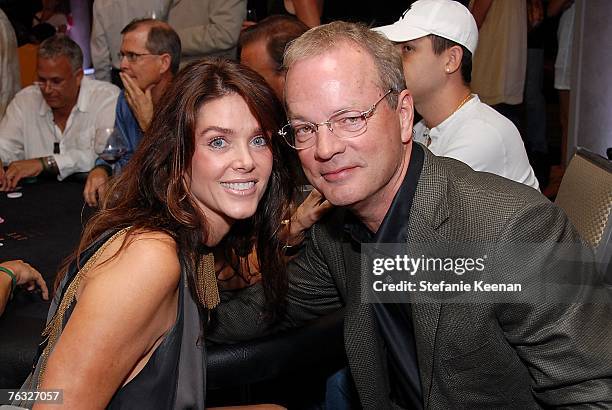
(350, 120)
(49, 127)
(149, 58)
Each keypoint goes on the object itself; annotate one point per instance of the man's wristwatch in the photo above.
(49, 165)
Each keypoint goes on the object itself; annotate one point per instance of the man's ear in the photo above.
(78, 74)
(453, 59)
(166, 61)
(405, 110)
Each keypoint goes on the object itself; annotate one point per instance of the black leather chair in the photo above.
(288, 368)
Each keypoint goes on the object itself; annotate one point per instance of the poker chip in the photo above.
(14, 195)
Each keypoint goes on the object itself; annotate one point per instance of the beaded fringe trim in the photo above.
(53, 329)
(207, 289)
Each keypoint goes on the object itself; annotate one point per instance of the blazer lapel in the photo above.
(363, 348)
(429, 212)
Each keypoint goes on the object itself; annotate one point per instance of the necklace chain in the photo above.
(461, 104)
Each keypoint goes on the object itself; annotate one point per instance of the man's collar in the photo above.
(83, 100)
(44, 108)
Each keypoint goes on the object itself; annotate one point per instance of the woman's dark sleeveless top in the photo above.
(174, 376)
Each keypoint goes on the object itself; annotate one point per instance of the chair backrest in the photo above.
(585, 194)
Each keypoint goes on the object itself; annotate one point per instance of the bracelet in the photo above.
(13, 279)
(51, 164)
(290, 250)
(44, 164)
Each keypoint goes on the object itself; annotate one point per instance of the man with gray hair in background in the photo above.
(49, 127)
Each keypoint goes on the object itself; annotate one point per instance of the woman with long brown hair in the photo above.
(126, 326)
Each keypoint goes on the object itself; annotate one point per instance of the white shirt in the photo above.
(563, 62)
(28, 130)
(109, 18)
(482, 138)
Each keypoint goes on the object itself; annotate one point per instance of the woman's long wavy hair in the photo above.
(152, 193)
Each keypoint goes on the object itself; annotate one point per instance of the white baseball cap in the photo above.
(444, 18)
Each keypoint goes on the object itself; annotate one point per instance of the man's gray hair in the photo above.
(321, 39)
(62, 45)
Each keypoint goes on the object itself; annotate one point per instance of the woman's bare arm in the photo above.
(124, 309)
(309, 11)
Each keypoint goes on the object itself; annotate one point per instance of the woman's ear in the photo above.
(405, 110)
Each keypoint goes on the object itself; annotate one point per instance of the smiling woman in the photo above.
(232, 160)
(132, 306)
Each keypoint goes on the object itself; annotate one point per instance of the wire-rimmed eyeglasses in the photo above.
(132, 57)
(54, 84)
(344, 124)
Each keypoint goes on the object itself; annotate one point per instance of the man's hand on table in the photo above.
(95, 185)
(18, 170)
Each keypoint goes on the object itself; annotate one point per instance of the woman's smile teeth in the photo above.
(238, 186)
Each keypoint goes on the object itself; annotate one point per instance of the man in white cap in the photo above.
(437, 40)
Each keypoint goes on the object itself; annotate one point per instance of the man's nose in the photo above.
(327, 143)
(46, 87)
(123, 63)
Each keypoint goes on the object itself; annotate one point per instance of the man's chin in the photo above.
(53, 103)
(339, 198)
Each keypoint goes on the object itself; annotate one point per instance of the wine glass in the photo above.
(110, 145)
(251, 15)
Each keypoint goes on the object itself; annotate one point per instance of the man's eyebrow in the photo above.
(49, 78)
(290, 117)
(340, 111)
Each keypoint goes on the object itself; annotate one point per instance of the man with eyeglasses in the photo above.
(50, 126)
(350, 119)
(109, 17)
(149, 58)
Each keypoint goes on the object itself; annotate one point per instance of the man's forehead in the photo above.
(315, 101)
(256, 51)
(337, 65)
(56, 64)
(137, 37)
(332, 78)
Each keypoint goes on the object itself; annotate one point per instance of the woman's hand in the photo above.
(27, 276)
(307, 214)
